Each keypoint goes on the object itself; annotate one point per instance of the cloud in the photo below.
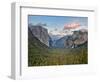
(73, 25)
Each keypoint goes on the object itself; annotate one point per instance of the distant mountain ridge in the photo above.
(78, 37)
(71, 41)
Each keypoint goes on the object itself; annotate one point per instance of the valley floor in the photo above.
(56, 56)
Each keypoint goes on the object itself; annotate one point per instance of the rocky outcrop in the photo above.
(78, 38)
(35, 43)
(41, 33)
(71, 41)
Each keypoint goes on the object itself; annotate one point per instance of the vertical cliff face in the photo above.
(41, 33)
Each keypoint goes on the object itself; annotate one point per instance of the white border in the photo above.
(19, 43)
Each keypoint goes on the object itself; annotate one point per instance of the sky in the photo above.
(56, 24)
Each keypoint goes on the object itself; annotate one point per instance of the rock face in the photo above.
(41, 33)
(78, 38)
(71, 41)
